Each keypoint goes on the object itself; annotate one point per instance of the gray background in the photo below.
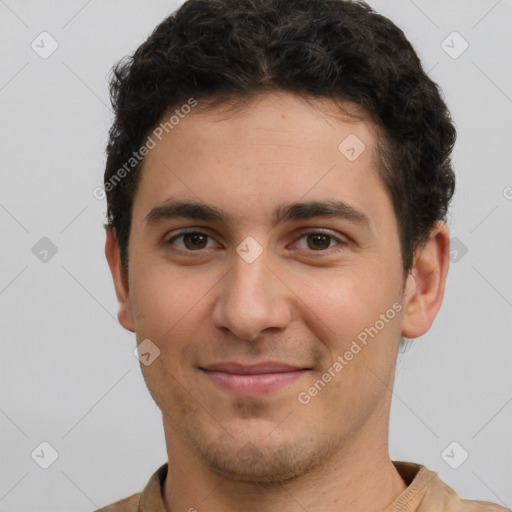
(68, 375)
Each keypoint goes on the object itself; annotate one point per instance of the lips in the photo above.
(255, 379)
(253, 369)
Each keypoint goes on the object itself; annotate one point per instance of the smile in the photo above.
(253, 380)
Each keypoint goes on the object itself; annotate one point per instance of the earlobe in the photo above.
(113, 255)
(425, 283)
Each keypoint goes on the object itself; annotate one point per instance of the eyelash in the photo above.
(340, 241)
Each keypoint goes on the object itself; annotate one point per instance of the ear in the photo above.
(424, 288)
(113, 254)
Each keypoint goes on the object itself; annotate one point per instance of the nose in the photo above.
(252, 298)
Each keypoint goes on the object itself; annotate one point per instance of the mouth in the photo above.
(253, 380)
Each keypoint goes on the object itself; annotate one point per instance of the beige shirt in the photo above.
(425, 493)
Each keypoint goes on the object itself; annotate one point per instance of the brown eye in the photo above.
(192, 242)
(195, 240)
(318, 241)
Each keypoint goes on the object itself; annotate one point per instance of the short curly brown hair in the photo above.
(220, 50)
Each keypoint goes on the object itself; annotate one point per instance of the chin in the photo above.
(256, 463)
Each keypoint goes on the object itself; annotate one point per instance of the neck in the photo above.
(359, 481)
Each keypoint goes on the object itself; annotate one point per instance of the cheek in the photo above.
(156, 304)
(344, 302)
(344, 311)
(170, 306)
(357, 319)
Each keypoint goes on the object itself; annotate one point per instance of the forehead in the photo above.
(277, 148)
(278, 119)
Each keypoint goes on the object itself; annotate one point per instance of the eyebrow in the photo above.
(287, 212)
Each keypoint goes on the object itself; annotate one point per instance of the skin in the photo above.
(296, 303)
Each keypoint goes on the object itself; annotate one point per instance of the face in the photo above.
(265, 266)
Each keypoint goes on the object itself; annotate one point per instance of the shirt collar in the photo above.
(416, 476)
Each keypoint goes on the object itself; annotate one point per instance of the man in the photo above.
(278, 177)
